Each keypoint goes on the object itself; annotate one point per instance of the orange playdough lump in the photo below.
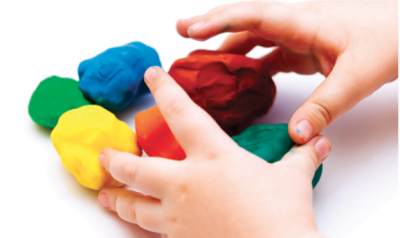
(155, 137)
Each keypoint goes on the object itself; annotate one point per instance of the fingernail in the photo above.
(103, 200)
(323, 148)
(194, 27)
(304, 129)
(101, 157)
(150, 73)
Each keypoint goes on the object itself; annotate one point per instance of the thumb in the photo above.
(309, 157)
(346, 85)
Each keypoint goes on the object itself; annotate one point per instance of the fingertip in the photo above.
(294, 135)
(149, 74)
(193, 29)
(323, 147)
(310, 155)
(188, 27)
(103, 155)
(305, 130)
(103, 199)
(108, 198)
(101, 158)
(182, 26)
(200, 29)
(301, 130)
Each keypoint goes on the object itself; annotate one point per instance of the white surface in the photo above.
(358, 192)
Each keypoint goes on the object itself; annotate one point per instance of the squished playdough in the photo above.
(53, 97)
(269, 142)
(114, 78)
(233, 89)
(155, 137)
(79, 137)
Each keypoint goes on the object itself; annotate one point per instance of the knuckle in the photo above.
(211, 154)
(180, 188)
(321, 114)
(170, 218)
(132, 213)
(129, 173)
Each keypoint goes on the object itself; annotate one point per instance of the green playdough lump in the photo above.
(269, 142)
(52, 98)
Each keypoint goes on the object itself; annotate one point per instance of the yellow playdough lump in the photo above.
(79, 137)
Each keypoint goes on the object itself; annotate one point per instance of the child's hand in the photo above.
(354, 44)
(220, 189)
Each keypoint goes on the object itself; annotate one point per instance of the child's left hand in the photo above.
(220, 189)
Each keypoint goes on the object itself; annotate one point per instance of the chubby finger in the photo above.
(273, 21)
(348, 83)
(308, 157)
(133, 207)
(195, 130)
(150, 175)
(243, 42)
(183, 25)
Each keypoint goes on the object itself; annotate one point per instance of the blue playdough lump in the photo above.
(114, 78)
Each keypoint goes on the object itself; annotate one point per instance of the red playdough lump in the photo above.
(155, 137)
(233, 89)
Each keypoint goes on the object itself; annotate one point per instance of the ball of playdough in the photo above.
(233, 89)
(114, 78)
(52, 98)
(155, 137)
(269, 142)
(79, 137)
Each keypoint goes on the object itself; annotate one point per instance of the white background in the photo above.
(356, 197)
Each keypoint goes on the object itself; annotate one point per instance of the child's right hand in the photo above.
(354, 44)
(220, 189)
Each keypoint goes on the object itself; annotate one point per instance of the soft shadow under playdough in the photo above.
(44, 131)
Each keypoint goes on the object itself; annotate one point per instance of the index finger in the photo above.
(150, 175)
(195, 130)
(273, 21)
